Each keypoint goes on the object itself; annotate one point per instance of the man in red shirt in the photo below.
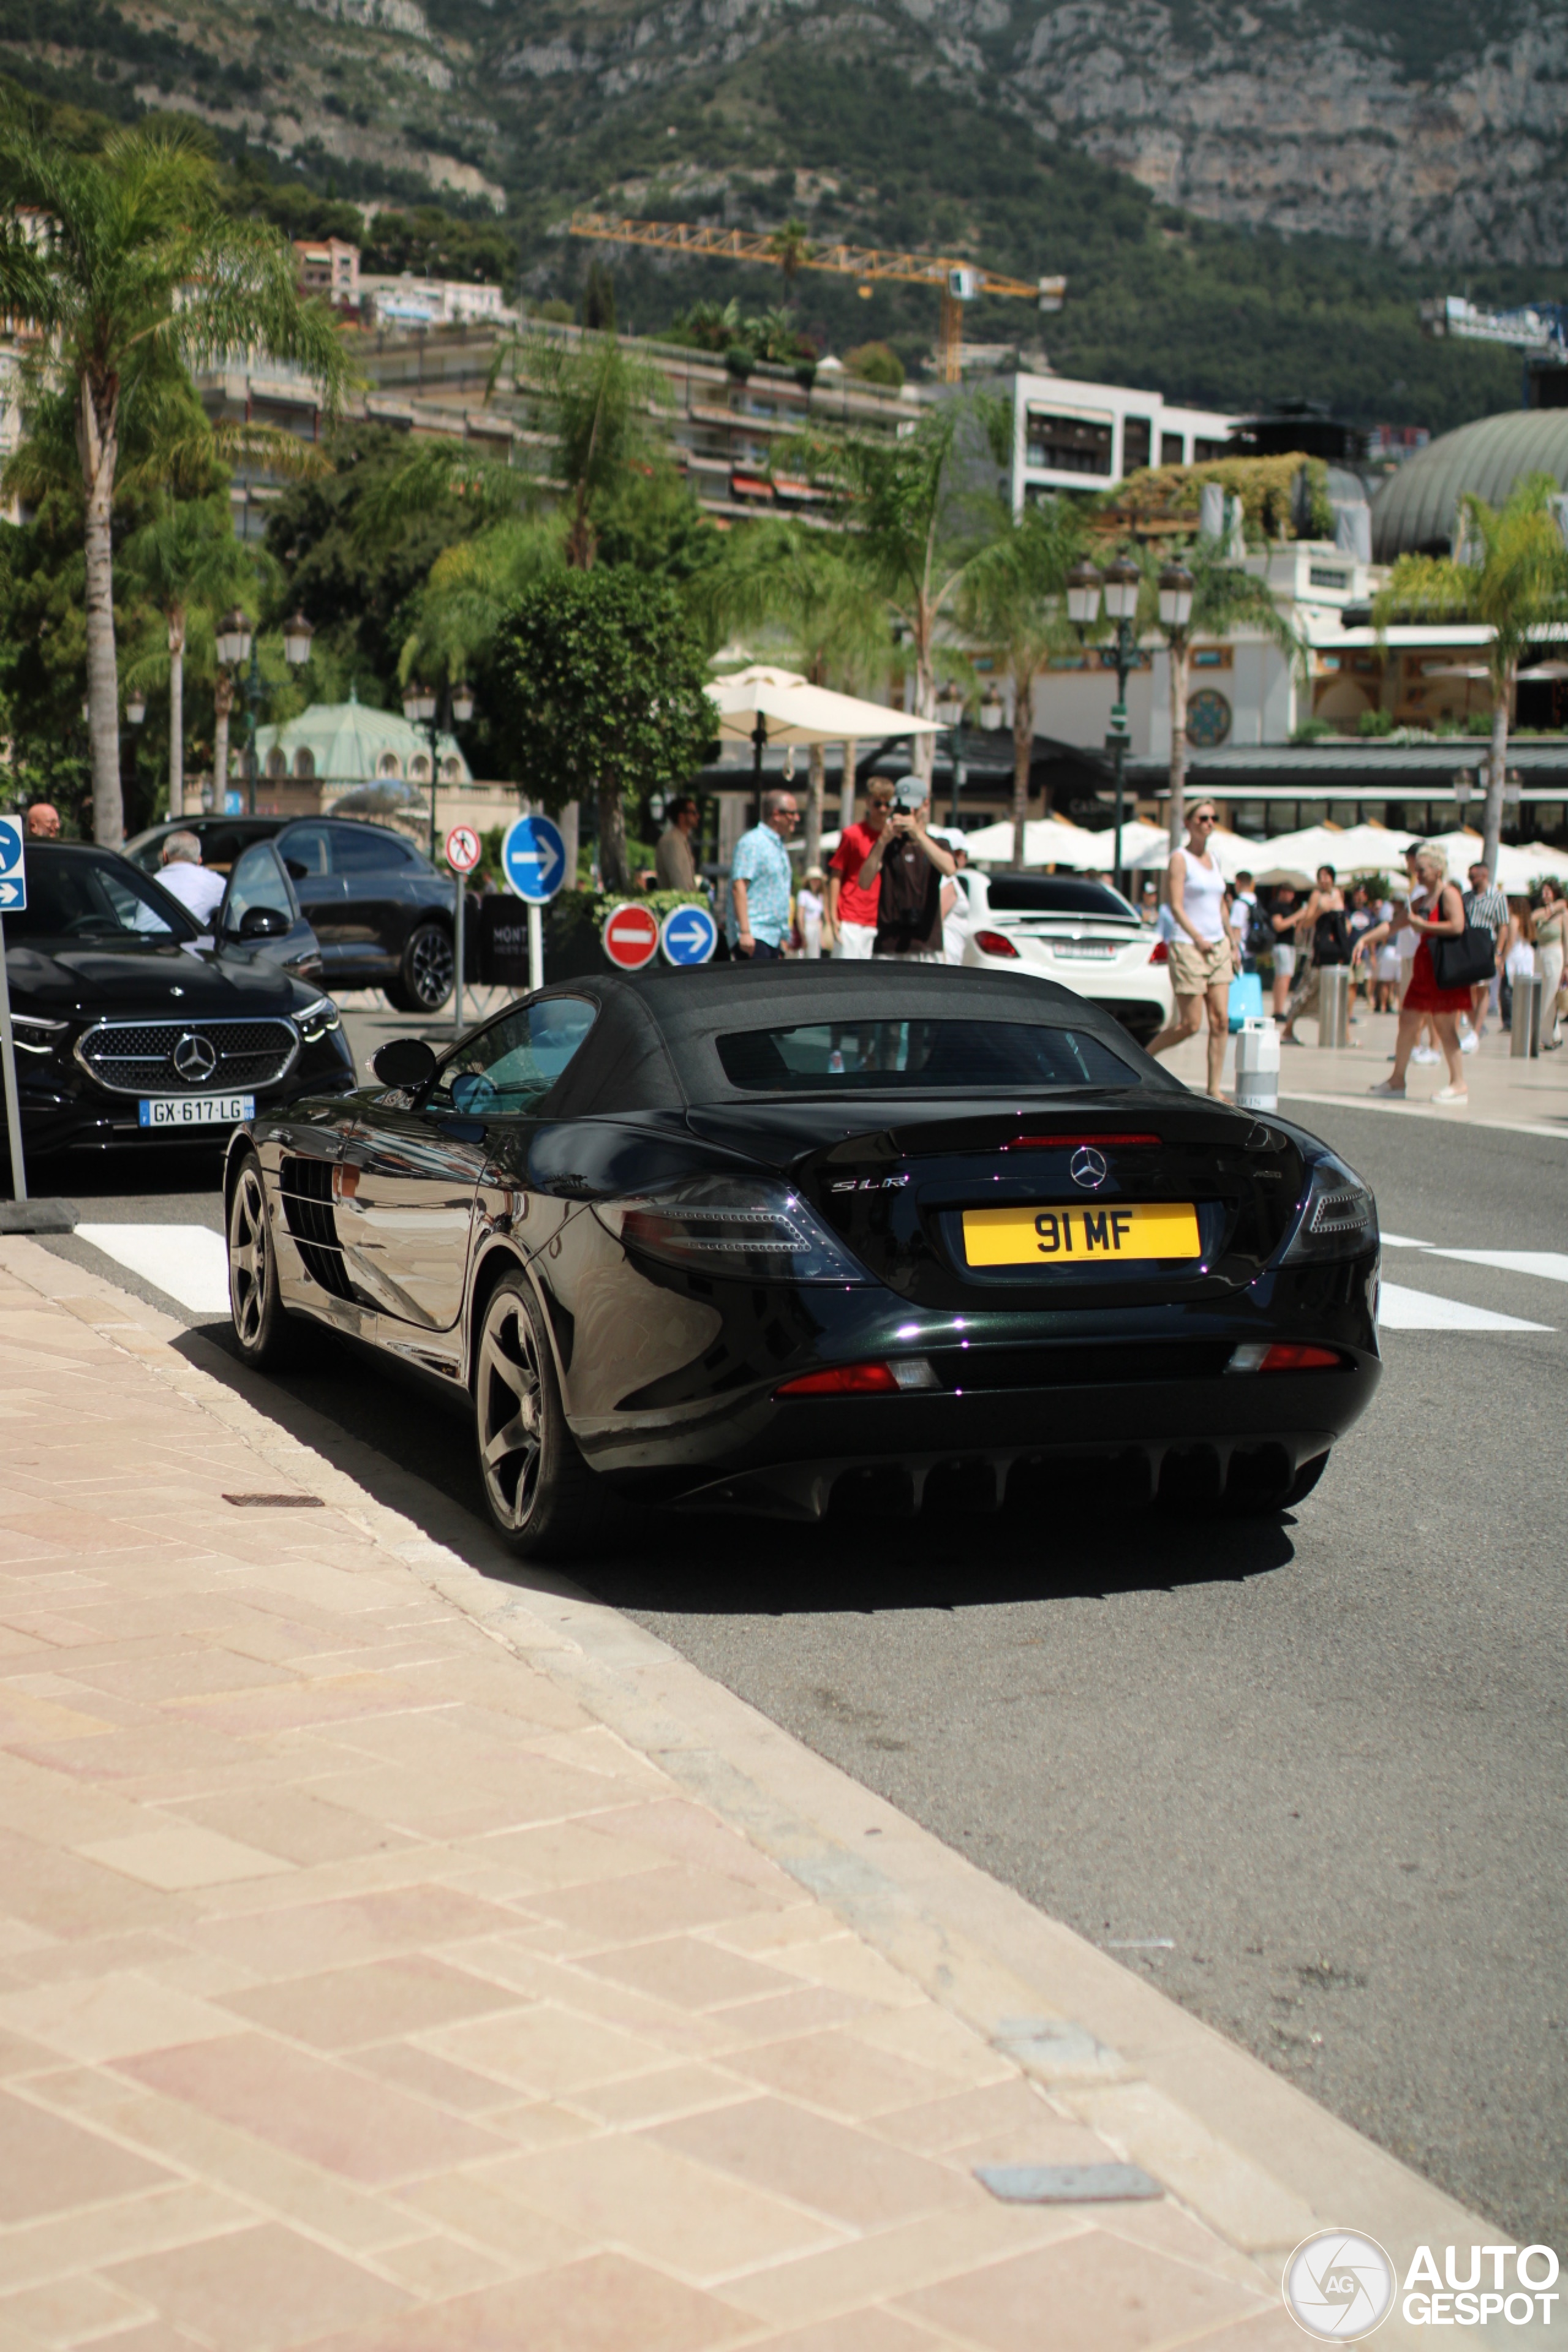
(852, 911)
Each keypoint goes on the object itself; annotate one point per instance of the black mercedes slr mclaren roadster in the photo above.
(788, 1238)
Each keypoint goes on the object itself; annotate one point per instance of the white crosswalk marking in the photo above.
(1400, 1309)
(1547, 1265)
(190, 1263)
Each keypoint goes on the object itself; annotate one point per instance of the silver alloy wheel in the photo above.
(432, 967)
(248, 1243)
(509, 1405)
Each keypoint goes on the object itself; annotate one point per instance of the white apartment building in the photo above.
(407, 301)
(1070, 436)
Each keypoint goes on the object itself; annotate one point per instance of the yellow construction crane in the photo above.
(958, 281)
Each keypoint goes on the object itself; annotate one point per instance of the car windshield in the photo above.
(919, 1056)
(79, 895)
(1057, 894)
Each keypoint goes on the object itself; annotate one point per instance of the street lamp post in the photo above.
(950, 714)
(237, 646)
(421, 708)
(1177, 586)
(1118, 584)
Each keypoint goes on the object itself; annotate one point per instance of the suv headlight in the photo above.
(1338, 1217)
(36, 1036)
(317, 1021)
(732, 1227)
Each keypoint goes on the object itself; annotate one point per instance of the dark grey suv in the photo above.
(382, 913)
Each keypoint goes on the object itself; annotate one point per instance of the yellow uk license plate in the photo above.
(1070, 1236)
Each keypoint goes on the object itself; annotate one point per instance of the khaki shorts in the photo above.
(1194, 969)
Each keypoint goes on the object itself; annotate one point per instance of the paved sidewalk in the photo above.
(1529, 1094)
(367, 1980)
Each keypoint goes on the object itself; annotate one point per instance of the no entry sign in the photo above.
(631, 936)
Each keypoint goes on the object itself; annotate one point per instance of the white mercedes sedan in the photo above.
(1084, 934)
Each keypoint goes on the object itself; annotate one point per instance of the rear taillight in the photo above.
(1160, 953)
(1283, 1356)
(995, 943)
(894, 1379)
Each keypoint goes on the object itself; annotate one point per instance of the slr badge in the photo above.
(1087, 1167)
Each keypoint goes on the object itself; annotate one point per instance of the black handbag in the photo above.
(1462, 960)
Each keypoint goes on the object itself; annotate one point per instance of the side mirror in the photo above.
(264, 923)
(403, 1062)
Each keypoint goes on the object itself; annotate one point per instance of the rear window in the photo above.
(918, 1056)
(1055, 893)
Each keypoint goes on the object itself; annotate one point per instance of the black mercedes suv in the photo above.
(382, 912)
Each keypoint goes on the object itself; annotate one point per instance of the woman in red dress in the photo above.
(1436, 911)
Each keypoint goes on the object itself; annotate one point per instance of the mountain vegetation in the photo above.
(470, 131)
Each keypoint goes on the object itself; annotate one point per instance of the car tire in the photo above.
(541, 1494)
(264, 1333)
(427, 973)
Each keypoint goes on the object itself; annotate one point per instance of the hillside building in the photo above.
(1072, 435)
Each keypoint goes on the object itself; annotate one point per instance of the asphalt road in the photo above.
(1308, 1777)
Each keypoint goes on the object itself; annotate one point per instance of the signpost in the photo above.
(464, 851)
(534, 859)
(630, 935)
(690, 936)
(13, 898)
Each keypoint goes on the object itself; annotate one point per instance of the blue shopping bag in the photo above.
(1245, 1000)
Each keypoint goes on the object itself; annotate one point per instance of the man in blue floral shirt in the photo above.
(761, 883)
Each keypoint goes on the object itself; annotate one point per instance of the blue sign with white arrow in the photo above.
(12, 868)
(689, 935)
(534, 859)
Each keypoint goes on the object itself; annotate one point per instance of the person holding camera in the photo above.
(912, 866)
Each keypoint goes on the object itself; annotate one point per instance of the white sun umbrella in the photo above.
(787, 709)
(1047, 842)
(1232, 852)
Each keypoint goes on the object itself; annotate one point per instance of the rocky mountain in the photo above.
(1248, 196)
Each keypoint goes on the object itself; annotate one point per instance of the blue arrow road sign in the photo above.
(533, 858)
(689, 935)
(12, 869)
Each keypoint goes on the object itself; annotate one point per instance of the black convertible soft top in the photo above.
(652, 1047)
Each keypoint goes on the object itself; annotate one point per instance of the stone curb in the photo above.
(1257, 2160)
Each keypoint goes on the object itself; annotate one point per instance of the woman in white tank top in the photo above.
(1202, 963)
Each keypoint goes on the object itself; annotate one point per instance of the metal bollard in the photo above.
(1334, 1005)
(1525, 1041)
(1257, 1066)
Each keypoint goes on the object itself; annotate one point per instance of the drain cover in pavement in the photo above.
(276, 1502)
(1066, 2184)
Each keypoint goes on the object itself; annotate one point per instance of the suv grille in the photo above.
(135, 1058)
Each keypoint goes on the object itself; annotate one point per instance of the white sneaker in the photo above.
(1451, 1095)
(1469, 1042)
(1425, 1053)
(1388, 1088)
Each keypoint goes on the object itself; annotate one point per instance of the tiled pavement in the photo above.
(360, 1988)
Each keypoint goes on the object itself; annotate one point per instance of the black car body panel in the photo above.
(363, 889)
(395, 1212)
(100, 1014)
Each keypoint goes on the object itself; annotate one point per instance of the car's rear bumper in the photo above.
(1204, 1433)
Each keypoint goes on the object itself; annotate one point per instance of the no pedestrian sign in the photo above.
(12, 868)
(463, 849)
(631, 936)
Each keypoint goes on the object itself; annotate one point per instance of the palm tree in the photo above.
(1200, 592)
(593, 405)
(911, 505)
(833, 620)
(187, 556)
(1509, 571)
(1011, 602)
(791, 248)
(132, 273)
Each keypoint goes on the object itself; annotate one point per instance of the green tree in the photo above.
(187, 556)
(603, 677)
(1509, 572)
(917, 511)
(806, 586)
(1013, 602)
(791, 248)
(1225, 596)
(137, 270)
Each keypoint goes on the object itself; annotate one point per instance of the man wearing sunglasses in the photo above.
(1202, 963)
